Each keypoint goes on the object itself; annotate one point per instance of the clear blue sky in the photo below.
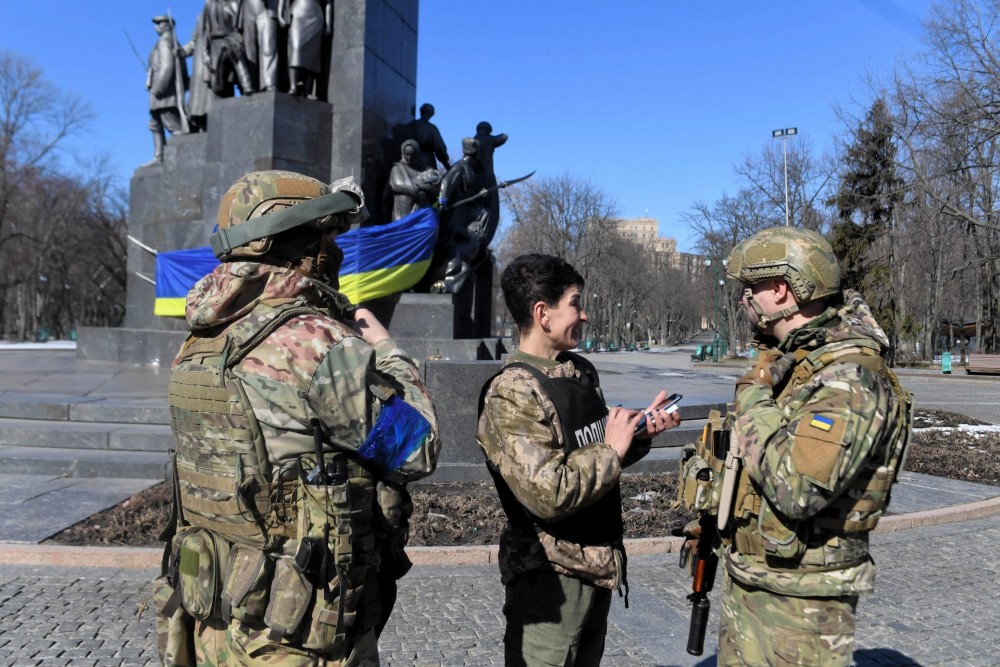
(652, 100)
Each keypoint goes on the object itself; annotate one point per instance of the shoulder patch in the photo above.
(818, 448)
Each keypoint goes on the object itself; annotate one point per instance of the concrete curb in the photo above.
(43, 555)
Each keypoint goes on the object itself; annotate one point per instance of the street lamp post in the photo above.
(716, 312)
(784, 134)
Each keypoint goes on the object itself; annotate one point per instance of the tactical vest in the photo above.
(230, 497)
(583, 415)
(837, 536)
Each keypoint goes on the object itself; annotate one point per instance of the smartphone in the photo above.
(669, 402)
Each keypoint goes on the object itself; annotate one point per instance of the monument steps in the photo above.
(65, 462)
(75, 436)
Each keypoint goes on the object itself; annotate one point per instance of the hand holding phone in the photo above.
(668, 403)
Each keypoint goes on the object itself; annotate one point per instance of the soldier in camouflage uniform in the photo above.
(822, 425)
(289, 478)
(556, 454)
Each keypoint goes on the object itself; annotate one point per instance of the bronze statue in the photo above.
(200, 85)
(166, 78)
(258, 25)
(429, 138)
(226, 57)
(465, 218)
(488, 142)
(308, 23)
(411, 188)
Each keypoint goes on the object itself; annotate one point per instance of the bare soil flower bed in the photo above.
(470, 513)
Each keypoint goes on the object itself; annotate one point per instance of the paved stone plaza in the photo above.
(933, 606)
(934, 602)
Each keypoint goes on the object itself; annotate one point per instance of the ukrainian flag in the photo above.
(387, 259)
(176, 273)
(378, 261)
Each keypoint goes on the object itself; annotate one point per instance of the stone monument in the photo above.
(341, 129)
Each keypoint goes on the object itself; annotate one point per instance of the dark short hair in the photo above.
(533, 278)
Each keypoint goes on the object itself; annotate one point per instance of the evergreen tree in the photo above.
(866, 200)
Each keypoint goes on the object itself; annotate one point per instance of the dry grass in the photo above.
(470, 513)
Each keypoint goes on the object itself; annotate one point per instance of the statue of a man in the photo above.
(227, 61)
(165, 79)
(465, 220)
(200, 85)
(488, 142)
(308, 23)
(429, 138)
(412, 189)
(258, 24)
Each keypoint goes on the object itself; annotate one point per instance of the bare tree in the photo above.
(809, 176)
(948, 123)
(627, 296)
(35, 120)
(59, 232)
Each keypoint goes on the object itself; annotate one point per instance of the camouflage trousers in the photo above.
(761, 628)
(218, 645)
(554, 621)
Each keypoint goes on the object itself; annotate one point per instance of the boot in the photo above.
(243, 77)
(159, 141)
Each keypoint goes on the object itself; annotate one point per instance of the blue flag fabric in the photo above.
(176, 273)
(398, 432)
(378, 261)
(387, 259)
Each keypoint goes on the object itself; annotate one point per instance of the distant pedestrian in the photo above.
(556, 453)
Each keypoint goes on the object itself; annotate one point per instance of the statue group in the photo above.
(249, 45)
(281, 46)
(465, 194)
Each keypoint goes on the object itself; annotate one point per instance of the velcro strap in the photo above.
(214, 482)
(172, 603)
(847, 525)
(227, 528)
(230, 507)
(193, 397)
(749, 542)
(224, 240)
(845, 505)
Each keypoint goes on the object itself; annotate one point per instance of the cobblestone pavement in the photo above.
(934, 605)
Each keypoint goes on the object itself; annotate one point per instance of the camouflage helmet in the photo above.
(801, 257)
(280, 196)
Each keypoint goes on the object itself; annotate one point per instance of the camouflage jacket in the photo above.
(825, 445)
(312, 367)
(520, 433)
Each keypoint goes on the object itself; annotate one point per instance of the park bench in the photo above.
(983, 363)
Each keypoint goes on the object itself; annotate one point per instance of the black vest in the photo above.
(583, 415)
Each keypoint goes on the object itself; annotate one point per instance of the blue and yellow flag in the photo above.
(176, 273)
(386, 259)
(378, 261)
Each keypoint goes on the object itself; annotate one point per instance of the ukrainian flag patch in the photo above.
(821, 422)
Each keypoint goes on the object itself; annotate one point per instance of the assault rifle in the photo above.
(703, 570)
(707, 538)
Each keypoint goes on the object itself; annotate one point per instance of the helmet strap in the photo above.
(764, 319)
(322, 266)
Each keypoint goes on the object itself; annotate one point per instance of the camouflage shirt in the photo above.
(520, 433)
(816, 441)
